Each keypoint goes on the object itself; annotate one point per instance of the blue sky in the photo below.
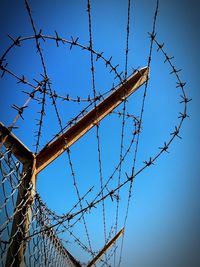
(163, 223)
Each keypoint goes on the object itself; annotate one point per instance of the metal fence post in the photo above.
(22, 217)
(26, 191)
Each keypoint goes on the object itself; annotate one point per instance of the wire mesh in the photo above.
(44, 249)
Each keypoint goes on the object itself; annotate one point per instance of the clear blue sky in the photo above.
(163, 226)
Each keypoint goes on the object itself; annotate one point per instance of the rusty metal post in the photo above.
(22, 217)
(105, 248)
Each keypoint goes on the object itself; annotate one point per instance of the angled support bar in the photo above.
(105, 249)
(18, 149)
(70, 136)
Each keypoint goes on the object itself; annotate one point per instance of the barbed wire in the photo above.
(73, 42)
(97, 125)
(46, 84)
(47, 226)
(163, 149)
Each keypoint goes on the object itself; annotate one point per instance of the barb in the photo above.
(20, 111)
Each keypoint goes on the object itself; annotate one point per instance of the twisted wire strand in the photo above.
(139, 130)
(97, 125)
(123, 121)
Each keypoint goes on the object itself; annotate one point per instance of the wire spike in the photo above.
(15, 41)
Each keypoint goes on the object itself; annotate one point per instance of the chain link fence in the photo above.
(43, 249)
